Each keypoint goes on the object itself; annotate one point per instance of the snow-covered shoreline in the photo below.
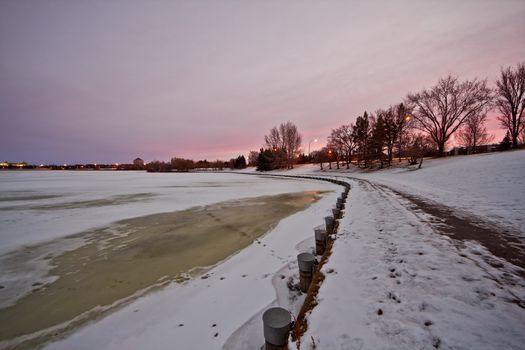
(273, 251)
(206, 312)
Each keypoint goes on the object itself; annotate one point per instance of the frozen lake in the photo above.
(40, 205)
(73, 240)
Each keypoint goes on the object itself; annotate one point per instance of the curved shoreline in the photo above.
(132, 247)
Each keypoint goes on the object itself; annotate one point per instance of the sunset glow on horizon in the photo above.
(108, 81)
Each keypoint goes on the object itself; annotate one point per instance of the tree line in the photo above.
(184, 165)
(425, 122)
(421, 125)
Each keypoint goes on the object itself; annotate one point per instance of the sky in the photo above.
(108, 81)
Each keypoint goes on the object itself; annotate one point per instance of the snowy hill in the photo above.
(488, 185)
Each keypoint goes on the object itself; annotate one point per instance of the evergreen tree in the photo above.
(378, 139)
(266, 160)
(505, 143)
(361, 136)
(240, 162)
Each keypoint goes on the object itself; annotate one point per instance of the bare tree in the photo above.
(418, 145)
(474, 133)
(252, 158)
(293, 140)
(510, 100)
(341, 137)
(320, 156)
(274, 139)
(442, 110)
(337, 149)
(395, 123)
(287, 139)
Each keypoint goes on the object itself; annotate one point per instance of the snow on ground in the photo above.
(393, 282)
(180, 315)
(203, 313)
(491, 186)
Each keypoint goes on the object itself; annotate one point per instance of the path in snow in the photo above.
(464, 227)
(394, 280)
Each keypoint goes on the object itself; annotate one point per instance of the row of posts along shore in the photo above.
(277, 321)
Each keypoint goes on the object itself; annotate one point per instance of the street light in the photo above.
(314, 140)
(407, 119)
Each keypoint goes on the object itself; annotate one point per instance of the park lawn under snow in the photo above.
(490, 186)
(393, 282)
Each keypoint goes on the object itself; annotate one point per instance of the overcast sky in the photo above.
(107, 81)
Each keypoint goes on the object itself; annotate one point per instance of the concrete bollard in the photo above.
(306, 268)
(329, 221)
(337, 213)
(277, 324)
(320, 241)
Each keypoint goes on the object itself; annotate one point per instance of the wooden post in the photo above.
(337, 213)
(306, 268)
(277, 324)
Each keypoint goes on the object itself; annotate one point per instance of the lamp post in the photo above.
(314, 140)
(407, 119)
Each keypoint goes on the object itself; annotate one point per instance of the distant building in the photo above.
(138, 163)
(19, 165)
